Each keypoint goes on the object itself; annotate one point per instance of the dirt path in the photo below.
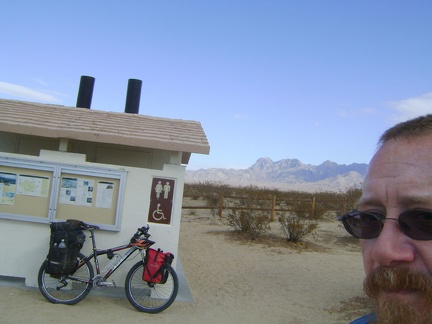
(231, 281)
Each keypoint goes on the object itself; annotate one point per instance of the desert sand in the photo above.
(232, 280)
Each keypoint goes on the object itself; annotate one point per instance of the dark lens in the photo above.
(417, 224)
(363, 225)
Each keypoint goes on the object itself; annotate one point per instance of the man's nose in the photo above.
(392, 246)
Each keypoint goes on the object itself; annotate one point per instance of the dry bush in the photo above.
(352, 196)
(203, 189)
(302, 208)
(246, 213)
(298, 202)
(212, 201)
(249, 222)
(294, 228)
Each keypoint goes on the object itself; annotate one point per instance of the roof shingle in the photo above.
(103, 127)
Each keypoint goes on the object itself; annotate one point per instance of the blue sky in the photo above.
(306, 79)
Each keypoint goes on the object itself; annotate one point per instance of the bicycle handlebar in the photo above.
(143, 231)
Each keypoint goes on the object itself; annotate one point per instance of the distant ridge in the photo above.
(287, 174)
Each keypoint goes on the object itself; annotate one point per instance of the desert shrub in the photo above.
(212, 201)
(294, 228)
(319, 211)
(249, 222)
(304, 204)
(352, 196)
(246, 214)
(203, 189)
(302, 208)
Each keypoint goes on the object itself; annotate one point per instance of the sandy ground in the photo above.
(232, 280)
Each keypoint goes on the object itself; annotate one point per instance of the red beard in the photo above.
(395, 310)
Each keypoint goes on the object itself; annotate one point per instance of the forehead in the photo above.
(400, 170)
(403, 154)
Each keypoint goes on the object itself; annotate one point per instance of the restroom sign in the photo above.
(161, 201)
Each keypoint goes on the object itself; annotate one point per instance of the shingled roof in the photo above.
(91, 125)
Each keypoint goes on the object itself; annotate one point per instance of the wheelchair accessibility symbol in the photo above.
(161, 200)
(158, 214)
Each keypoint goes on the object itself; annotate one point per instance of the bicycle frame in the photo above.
(146, 295)
(98, 252)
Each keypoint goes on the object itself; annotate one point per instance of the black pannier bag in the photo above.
(65, 243)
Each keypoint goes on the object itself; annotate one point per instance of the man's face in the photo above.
(399, 178)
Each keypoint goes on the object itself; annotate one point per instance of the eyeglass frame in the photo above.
(381, 218)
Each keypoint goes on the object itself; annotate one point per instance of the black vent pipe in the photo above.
(133, 96)
(85, 92)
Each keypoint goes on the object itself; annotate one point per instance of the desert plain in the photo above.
(232, 279)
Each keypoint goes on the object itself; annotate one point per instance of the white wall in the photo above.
(25, 244)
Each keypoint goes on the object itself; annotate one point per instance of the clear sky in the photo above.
(314, 80)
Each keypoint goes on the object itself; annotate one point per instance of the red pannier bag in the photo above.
(153, 268)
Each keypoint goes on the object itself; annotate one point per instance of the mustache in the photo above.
(389, 279)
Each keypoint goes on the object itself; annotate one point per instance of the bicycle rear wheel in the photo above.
(150, 297)
(66, 289)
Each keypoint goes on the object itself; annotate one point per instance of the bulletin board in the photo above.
(88, 198)
(25, 191)
(47, 192)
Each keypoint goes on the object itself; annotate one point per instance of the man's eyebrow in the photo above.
(369, 201)
(409, 201)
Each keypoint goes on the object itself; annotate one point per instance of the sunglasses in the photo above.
(415, 223)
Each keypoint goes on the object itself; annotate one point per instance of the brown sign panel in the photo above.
(161, 201)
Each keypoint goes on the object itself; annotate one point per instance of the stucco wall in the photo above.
(25, 244)
(93, 152)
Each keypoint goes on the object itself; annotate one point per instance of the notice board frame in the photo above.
(35, 191)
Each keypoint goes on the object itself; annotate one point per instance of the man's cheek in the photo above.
(366, 247)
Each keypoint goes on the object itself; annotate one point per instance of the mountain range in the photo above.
(287, 174)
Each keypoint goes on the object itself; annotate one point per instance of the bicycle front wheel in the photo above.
(66, 289)
(150, 297)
